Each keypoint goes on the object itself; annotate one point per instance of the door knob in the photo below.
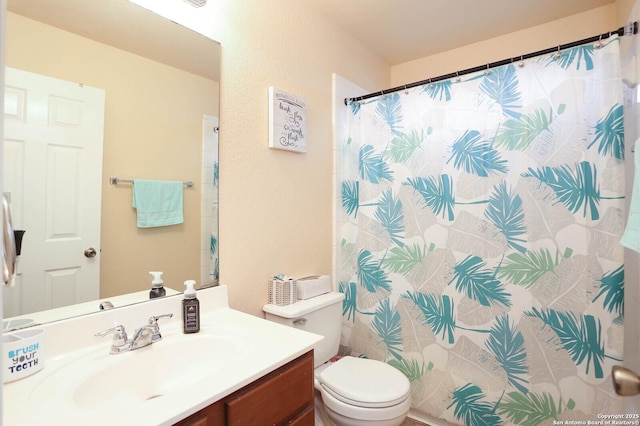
(625, 381)
(90, 252)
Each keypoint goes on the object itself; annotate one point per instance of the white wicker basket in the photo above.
(282, 292)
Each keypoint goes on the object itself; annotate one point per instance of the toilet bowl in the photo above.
(354, 391)
(359, 391)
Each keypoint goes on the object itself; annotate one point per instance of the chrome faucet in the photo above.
(143, 336)
(105, 305)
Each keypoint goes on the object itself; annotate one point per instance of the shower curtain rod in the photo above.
(629, 29)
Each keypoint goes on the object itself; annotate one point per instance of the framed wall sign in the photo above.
(287, 121)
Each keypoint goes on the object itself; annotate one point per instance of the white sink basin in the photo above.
(101, 381)
(82, 384)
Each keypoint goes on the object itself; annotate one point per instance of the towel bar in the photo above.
(115, 181)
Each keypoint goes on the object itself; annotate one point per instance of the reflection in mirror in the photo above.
(117, 91)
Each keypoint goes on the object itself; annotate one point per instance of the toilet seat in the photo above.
(346, 414)
(366, 383)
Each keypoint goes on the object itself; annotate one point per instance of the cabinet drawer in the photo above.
(213, 415)
(282, 395)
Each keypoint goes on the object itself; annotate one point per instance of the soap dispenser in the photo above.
(190, 309)
(157, 289)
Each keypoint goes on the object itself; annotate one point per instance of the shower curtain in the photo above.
(479, 238)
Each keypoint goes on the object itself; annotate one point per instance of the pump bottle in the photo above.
(157, 289)
(190, 309)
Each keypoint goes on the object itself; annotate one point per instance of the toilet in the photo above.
(354, 391)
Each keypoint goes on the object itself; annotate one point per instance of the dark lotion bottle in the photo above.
(190, 309)
(157, 285)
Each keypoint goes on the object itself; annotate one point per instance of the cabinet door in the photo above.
(199, 419)
(284, 395)
(306, 418)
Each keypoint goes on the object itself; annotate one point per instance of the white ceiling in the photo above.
(396, 30)
(399, 31)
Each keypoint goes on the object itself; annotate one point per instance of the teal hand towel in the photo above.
(158, 202)
(631, 236)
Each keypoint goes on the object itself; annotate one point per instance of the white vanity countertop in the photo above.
(268, 346)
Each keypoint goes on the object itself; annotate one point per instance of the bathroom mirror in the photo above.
(161, 84)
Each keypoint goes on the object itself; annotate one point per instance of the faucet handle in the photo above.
(153, 323)
(154, 319)
(120, 336)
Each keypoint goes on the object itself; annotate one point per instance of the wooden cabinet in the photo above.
(282, 397)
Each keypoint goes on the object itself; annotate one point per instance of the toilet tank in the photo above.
(320, 315)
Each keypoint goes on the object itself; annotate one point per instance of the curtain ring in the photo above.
(488, 71)
(406, 92)
(598, 45)
(458, 79)
(558, 54)
(521, 64)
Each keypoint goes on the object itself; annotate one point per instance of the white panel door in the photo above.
(53, 171)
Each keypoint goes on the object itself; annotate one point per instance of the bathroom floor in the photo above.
(411, 422)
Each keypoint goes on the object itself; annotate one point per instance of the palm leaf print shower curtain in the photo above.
(479, 238)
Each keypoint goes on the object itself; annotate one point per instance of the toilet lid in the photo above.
(365, 382)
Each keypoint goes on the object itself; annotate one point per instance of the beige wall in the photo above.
(276, 206)
(576, 27)
(625, 11)
(153, 129)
